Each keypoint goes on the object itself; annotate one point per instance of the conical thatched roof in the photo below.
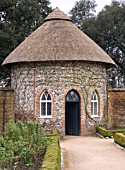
(58, 39)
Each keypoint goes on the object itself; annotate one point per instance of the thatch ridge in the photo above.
(57, 14)
(58, 40)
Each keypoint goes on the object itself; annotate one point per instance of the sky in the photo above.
(67, 5)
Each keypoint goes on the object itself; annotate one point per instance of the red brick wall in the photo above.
(116, 108)
(6, 106)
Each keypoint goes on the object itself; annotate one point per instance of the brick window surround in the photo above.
(38, 102)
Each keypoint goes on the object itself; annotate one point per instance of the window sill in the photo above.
(95, 116)
(45, 117)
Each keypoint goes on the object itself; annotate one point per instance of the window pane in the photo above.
(49, 97)
(43, 97)
(92, 108)
(95, 108)
(46, 93)
(49, 108)
(95, 96)
(43, 109)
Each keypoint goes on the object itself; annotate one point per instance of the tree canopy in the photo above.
(18, 19)
(107, 29)
(82, 10)
(111, 37)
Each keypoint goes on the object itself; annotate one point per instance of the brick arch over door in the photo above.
(81, 110)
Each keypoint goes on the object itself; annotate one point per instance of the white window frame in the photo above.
(93, 106)
(46, 102)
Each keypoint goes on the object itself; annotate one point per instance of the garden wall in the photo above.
(116, 108)
(6, 107)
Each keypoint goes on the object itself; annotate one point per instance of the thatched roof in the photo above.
(58, 39)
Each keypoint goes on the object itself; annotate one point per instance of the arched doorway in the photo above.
(72, 113)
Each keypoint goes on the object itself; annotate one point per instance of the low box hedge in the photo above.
(54, 133)
(52, 158)
(109, 133)
(120, 139)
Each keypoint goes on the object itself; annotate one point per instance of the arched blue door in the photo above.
(72, 113)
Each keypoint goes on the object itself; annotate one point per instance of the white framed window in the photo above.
(94, 105)
(45, 105)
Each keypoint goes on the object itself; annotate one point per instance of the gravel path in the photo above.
(91, 153)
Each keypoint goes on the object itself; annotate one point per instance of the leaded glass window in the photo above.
(45, 105)
(94, 104)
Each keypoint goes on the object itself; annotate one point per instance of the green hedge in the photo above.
(120, 139)
(52, 158)
(54, 133)
(109, 133)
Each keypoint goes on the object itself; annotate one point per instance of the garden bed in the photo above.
(23, 146)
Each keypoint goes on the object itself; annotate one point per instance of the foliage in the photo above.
(53, 155)
(108, 133)
(120, 139)
(82, 10)
(20, 144)
(108, 31)
(18, 19)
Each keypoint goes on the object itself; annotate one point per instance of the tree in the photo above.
(18, 19)
(111, 37)
(108, 31)
(82, 10)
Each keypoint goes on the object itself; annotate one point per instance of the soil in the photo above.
(87, 153)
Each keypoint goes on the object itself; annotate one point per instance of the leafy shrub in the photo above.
(6, 156)
(20, 144)
(120, 139)
(109, 133)
(26, 155)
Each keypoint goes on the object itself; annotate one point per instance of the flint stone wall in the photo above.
(29, 80)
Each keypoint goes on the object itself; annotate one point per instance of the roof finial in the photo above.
(57, 14)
